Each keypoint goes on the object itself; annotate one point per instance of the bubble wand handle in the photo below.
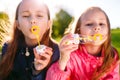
(38, 40)
(35, 30)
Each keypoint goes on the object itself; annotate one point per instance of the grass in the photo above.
(116, 39)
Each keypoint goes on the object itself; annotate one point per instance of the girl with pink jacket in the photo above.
(92, 57)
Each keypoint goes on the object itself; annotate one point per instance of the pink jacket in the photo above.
(81, 67)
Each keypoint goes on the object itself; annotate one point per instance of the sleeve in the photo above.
(114, 74)
(37, 75)
(54, 73)
(40, 76)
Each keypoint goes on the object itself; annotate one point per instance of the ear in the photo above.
(49, 24)
(17, 24)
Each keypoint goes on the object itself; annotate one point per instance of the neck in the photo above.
(31, 42)
(93, 50)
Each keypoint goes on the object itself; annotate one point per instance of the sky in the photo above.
(73, 7)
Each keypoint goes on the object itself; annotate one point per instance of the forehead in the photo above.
(32, 5)
(93, 14)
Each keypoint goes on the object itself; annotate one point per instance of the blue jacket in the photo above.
(23, 65)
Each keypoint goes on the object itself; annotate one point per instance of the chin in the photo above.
(32, 37)
(98, 42)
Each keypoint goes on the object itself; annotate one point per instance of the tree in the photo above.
(4, 16)
(4, 26)
(60, 23)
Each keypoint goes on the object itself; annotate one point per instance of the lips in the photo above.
(35, 30)
(97, 36)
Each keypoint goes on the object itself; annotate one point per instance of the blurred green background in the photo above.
(116, 38)
(61, 22)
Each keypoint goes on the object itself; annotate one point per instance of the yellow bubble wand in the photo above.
(84, 39)
(92, 38)
(35, 30)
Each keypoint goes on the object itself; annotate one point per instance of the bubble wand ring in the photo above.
(97, 35)
(35, 30)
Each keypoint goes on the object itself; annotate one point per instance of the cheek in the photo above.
(85, 31)
(43, 29)
(104, 31)
(24, 27)
(21, 24)
(23, 21)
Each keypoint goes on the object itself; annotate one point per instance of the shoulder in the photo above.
(4, 48)
(114, 73)
(54, 45)
(116, 55)
(56, 52)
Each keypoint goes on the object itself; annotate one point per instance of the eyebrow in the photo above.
(24, 11)
(28, 12)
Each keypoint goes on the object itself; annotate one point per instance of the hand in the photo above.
(66, 49)
(42, 60)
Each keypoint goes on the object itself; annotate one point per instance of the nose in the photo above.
(33, 22)
(97, 29)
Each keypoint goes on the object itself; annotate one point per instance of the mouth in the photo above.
(97, 37)
(35, 30)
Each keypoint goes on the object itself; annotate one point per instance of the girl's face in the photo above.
(33, 13)
(92, 23)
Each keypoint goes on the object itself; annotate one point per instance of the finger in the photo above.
(69, 48)
(41, 62)
(35, 54)
(45, 56)
(38, 65)
(49, 48)
(49, 51)
(66, 38)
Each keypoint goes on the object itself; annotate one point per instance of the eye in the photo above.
(25, 16)
(89, 24)
(101, 24)
(39, 16)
